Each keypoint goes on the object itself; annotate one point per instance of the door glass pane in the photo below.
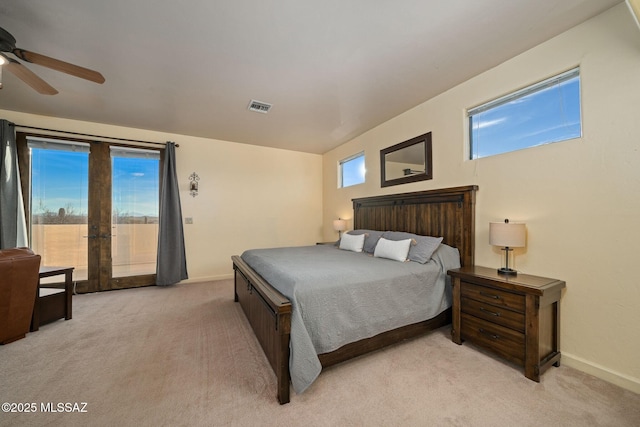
(134, 219)
(59, 204)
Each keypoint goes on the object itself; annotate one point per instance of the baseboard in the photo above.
(624, 381)
(208, 278)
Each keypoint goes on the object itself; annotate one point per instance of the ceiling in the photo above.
(332, 69)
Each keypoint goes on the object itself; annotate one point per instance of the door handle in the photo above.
(91, 236)
(106, 236)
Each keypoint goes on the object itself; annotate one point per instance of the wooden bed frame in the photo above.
(448, 212)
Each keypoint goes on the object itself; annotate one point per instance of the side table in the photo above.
(516, 317)
(52, 303)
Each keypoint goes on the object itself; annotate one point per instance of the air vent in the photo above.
(259, 106)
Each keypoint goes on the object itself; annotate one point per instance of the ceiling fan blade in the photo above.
(56, 64)
(29, 77)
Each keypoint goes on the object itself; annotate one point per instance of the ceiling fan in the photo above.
(8, 45)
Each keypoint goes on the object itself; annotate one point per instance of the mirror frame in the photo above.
(428, 168)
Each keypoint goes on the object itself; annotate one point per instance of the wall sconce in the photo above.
(193, 185)
(339, 225)
(510, 235)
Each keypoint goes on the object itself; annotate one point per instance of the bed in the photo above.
(449, 213)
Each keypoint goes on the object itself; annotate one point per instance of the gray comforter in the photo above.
(339, 297)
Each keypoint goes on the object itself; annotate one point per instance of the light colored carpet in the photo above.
(185, 356)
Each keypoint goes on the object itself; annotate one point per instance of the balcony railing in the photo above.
(133, 247)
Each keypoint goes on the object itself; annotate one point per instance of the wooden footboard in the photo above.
(269, 314)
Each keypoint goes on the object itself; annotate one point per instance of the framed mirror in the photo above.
(409, 161)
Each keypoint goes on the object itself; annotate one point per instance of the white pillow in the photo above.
(351, 242)
(396, 250)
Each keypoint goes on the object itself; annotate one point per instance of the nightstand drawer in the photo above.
(493, 296)
(505, 342)
(493, 313)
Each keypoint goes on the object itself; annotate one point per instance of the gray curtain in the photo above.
(13, 228)
(172, 261)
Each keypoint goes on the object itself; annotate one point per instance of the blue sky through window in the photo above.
(60, 180)
(353, 171)
(135, 186)
(549, 115)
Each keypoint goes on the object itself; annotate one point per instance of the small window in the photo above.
(351, 171)
(546, 112)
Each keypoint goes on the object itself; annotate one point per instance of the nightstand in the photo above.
(516, 317)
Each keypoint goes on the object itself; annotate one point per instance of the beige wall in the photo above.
(249, 196)
(579, 198)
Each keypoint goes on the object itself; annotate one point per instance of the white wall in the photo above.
(249, 196)
(579, 198)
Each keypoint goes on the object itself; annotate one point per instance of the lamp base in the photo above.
(507, 271)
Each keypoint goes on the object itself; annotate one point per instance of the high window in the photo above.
(546, 112)
(351, 171)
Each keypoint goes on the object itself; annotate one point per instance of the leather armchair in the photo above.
(19, 270)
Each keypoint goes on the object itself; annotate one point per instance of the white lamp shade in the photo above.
(339, 224)
(507, 234)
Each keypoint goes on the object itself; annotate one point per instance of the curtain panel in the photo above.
(172, 261)
(13, 227)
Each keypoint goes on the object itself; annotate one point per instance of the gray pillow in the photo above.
(370, 240)
(423, 249)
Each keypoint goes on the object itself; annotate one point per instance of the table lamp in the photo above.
(509, 235)
(339, 225)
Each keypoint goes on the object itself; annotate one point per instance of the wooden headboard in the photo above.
(447, 213)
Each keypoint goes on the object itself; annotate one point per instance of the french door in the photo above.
(92, 206)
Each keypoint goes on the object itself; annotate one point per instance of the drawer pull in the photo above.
(484, 294)
(484, 310)
(489, 334)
